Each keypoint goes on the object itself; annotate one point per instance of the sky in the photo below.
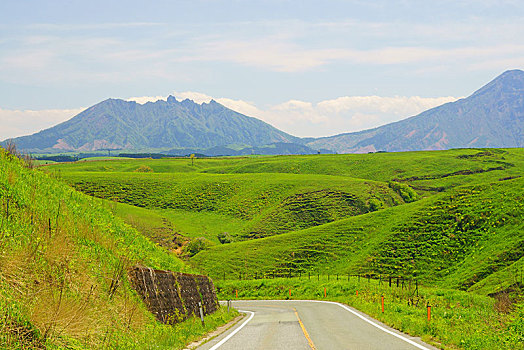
(310, 68)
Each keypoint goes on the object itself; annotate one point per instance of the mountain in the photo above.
(492, 117)
(119, 124)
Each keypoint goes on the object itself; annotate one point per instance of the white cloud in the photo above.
(24, 122)
(328, 117)
(300, 118)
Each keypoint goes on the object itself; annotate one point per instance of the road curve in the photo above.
(307, 325)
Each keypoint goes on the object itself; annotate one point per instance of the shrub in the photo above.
(197, 245)
(407, 193)
(224, 237)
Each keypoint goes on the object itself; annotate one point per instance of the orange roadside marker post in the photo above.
(325, 292)
(429, 312)
(236, 292)
(290, 292)
(382, 304)
(357, 292)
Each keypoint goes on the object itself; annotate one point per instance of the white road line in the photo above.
(370, 322)
(219, 344)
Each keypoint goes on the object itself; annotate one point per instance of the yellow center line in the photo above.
(310, 342)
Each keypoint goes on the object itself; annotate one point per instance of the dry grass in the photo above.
(60, 296)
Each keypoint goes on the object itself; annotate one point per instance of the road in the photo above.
(306, 325)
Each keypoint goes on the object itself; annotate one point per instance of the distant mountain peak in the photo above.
(509, 81)
(492, 116)
(164, 124)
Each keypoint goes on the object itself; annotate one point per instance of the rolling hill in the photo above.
(353, 213)
(493, 116)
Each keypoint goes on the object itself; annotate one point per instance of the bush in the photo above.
(407, 193)
(224, 237)
(197, 245)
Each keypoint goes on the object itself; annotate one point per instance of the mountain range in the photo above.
(493, 116)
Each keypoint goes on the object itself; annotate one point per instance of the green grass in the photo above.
(60, 252)
(203, 223)
(453, 239)
(267, 205)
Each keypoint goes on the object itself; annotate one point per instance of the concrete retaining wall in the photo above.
(173, 296)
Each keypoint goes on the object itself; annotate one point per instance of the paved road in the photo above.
(306, 325)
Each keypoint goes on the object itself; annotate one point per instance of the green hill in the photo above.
(467, 238)
(339, 213)
(63, 263)
(262, 205)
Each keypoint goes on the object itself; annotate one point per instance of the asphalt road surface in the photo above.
(295, 324)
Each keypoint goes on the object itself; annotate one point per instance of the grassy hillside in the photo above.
(63, 262)
(256, 205)
(455, 239)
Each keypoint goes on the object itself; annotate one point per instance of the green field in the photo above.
(451, 220)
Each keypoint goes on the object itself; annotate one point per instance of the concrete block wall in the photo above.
(173, 296)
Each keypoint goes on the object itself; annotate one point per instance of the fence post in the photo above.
(201, 313)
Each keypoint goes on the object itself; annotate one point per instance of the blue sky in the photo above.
(310, 68)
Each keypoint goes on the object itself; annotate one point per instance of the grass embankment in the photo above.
(63, 261)
(458, 319)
